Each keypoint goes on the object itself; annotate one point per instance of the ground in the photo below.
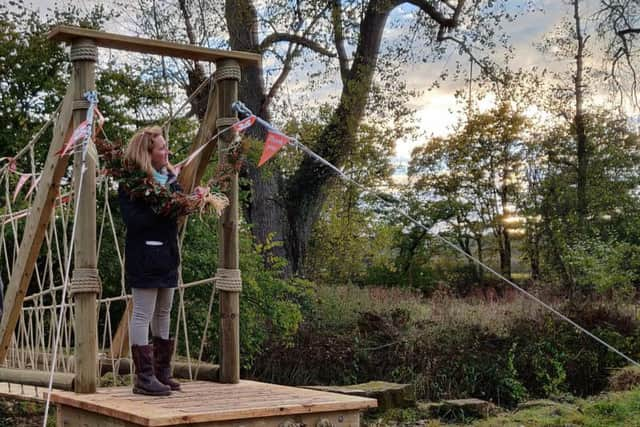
(619, 409)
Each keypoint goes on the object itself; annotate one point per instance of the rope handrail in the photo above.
(35, 138)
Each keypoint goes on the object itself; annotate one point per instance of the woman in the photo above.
(151, 202)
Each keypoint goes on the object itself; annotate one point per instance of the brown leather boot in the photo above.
(146, 382)
(162, 352)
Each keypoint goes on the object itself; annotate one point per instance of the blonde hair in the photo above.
(138, 151)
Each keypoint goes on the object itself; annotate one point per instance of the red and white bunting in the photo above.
(79, 133)
(100, 120)
(21, 181)
(244, 124)
(274, 142)
(34, 184)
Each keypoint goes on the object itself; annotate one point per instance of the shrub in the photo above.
(624, 379)
(449, 347)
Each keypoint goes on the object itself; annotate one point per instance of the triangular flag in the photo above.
(13, 165)
(79, 133)
(34, 184)
(274, 142)
(23, 179)
(100, 120)
(244, 123)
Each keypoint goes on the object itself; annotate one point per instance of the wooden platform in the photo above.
(201, 403)
(23, 392)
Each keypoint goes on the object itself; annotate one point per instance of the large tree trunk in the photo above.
(505, 253)
(287, 211)
(306, 191)
(265, 209)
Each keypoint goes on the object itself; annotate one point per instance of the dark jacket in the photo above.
(151, 245)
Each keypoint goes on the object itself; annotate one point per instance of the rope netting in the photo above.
(33, 344)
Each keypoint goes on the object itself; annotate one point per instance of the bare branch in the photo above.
(187, 22)
(287, 62)
(286, 69)
(443, 20)
(274, 38)
(485, 68)
(622, 33)
(338, 35)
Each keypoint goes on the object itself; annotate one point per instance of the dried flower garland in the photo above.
(162, 200)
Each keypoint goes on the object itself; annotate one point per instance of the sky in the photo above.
(436, 108)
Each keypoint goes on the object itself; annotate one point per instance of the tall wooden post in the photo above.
(85, 282)
(228, 283)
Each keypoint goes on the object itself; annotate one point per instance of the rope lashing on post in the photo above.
(227, 71)
(229, 280)
(225, 121)
(84, 51)
(85, 280)
(240, 108)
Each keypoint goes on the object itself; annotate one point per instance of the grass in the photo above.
(15, 412)
(620, 409)
(616, 409)
(339, 307)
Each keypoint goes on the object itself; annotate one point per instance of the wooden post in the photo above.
(227, 75)
(85, 283)
(120, 342)
(36, 225)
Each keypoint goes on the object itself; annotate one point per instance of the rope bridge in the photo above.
(33, 345)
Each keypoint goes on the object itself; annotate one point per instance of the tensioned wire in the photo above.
(241, 108)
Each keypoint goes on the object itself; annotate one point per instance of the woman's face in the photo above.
(159, 153)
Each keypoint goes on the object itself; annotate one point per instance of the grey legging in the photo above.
(150, 307)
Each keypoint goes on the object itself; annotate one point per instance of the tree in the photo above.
(344, 39)
(570, 41)
(477, 173)
(345, 239)
(619, 27)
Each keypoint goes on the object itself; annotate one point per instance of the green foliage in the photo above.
(33, 74)
(270, 306)
(604, 266)
(349, 237)
(449, 348)
(612, 409)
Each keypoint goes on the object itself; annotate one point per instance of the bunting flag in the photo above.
(79, 134)
(244, 124)
(15, 216)
(274, 142)
(23, 179)
(34, 184)
(12, 164)
(101, 120)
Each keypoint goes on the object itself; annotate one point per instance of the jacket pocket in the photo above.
(158, 258)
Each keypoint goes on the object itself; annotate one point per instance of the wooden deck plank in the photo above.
(22, 392)
(66, 33)
(211, 402)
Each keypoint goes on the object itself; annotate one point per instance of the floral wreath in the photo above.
(139, 186)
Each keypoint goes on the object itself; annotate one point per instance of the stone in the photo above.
(389, 395)
(458, 408)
